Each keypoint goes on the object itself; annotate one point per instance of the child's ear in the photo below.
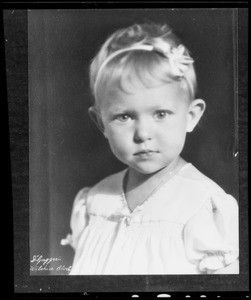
(95, 116)
(196, 110)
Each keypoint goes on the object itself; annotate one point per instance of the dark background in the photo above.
(66, 151)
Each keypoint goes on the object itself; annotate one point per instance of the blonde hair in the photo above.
(134, 56)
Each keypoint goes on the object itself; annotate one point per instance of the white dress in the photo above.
(188, 226)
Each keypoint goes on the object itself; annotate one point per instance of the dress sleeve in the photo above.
(79, 218)
(211, 235)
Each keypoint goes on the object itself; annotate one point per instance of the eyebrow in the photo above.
(163, 107)
(123, 111)
(119, 109)
(134, 113)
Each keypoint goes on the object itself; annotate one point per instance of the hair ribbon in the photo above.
(178, 61)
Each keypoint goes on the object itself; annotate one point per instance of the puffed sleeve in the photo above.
(211, 235)
(79, 218)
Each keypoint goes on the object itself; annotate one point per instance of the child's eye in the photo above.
(123, 117)
(162, 114)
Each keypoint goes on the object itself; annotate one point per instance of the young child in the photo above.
(160, 215)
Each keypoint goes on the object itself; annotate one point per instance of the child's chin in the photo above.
(147, 170)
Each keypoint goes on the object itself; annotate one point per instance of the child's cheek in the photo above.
(118, 135)
(117, 130)
(120, 146)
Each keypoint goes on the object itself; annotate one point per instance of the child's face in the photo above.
(146, 130)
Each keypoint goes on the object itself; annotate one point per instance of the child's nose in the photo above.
(142, 132)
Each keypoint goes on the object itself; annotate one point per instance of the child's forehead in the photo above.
(171, 93)
(160, 89)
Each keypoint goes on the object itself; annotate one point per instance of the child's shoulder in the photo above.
(203, 192)
(196, 178)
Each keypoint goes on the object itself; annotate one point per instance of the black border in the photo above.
(148, 286)
(63, 4)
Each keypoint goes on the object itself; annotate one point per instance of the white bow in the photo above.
(179, 62)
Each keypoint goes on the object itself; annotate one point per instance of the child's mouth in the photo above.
(145, 153)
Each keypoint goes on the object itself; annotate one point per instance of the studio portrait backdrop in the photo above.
(67, 152)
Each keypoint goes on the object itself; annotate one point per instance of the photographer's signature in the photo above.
(39, 263)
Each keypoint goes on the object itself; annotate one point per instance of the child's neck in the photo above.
(136, 178)
(139, 186)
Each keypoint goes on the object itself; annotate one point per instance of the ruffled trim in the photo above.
(67, 241)
(213, 262)
(79, 218)
(211, 236)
